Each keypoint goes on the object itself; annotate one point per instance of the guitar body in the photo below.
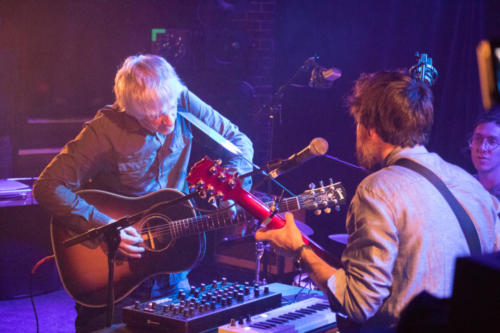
(83, 267)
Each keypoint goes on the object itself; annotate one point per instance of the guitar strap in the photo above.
(228, 145)
(464, 219)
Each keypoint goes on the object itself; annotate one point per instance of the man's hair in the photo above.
(144, 84)
(398, 107)
(492, 116)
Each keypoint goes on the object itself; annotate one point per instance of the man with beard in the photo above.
(403, 235)
(485, 152)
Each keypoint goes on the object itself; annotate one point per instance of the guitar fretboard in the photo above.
(222, 219)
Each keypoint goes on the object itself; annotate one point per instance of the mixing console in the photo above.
(203, 307)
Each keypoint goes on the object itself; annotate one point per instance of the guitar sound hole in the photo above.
(156, 232)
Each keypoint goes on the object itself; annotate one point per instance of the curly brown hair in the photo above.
(398, 107)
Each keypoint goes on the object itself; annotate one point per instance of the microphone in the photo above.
(317, 147)
(322, 78)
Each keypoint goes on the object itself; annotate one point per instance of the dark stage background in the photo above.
(58, 60)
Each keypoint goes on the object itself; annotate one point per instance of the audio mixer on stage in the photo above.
(203, 307)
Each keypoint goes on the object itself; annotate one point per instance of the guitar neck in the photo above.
(221, 219)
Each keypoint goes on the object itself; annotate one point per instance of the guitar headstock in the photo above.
(322, 198)
(423, 69)
(211, 180)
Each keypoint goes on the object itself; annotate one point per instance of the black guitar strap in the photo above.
(464, 219)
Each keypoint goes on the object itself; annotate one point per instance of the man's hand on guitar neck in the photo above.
(287, 239)
(131, 242)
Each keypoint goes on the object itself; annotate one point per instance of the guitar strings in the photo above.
(178, 226)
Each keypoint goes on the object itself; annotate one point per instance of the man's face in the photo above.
(367, 150)
(484, 147)
(164, 123)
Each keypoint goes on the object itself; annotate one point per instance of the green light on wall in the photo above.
(155, 32)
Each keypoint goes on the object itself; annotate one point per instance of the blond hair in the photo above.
(145, 84)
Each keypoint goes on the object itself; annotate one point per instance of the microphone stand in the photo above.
(111, 235)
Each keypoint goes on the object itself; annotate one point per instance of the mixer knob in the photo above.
(185, 312)
(327, 210)
(224, 280)
(223, 301)
(214, 284)
(266, 290)
(212, 306)
(192, 290)
(203, 287)
(233, 322)
(240, 297)
(247, 290)
(317, 212)
(153, 305)
(256, 292)
(191, 311)
(176, 310)
(137, 304)
(165, 308)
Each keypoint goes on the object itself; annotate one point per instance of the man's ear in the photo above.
(371, 132)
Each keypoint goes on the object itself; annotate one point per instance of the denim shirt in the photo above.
(114, 152)
(404, 237)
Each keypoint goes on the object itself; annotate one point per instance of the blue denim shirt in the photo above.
(114, 152)
(404, 237)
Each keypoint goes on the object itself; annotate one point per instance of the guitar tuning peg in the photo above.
(192, 188)
(321, 183)
(231, 183)
(218, 162)
(225, 169)
(219, 196)
(312, 186)
(200, 185)
(327, 210)
(202, 194)
(210, 190)
(330, 180)
(213, 170)
(221, 177)
(211, 200)
(317, 212)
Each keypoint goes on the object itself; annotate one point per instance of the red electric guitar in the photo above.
(210, 180)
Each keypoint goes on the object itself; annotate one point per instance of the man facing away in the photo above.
(134, 147)
(403, 236)
(485, 152)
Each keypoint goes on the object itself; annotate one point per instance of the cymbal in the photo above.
(339, 238)
(304, 228)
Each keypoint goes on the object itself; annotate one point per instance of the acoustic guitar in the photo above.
(173, 237)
